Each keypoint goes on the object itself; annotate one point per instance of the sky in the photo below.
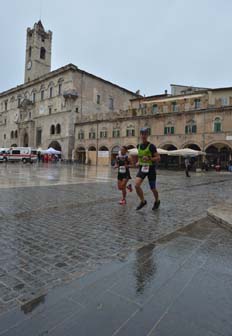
(146, 44)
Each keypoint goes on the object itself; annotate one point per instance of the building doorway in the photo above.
(81, 155)
(25, 140)
(55, 145)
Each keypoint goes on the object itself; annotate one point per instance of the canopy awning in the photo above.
(50, 151)
(134, 151)
(186, 152)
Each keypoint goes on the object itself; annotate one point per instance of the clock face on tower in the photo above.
(29, 65)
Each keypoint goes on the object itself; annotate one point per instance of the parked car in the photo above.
(24, 154)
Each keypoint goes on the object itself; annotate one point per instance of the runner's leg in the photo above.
(124, 182)
(152, 183)
(119, 184)
(139, 191)
(155, 193)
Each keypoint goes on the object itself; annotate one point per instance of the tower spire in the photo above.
(38, 52)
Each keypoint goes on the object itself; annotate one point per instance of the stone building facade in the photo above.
(43, 111)
(89, 118)
(198, 118)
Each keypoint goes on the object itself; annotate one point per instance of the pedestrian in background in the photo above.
(187, 166)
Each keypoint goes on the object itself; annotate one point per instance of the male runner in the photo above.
(147, 158)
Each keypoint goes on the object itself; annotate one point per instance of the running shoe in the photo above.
(122, 202)
(156, 205)
(141, 205)
(129, 187)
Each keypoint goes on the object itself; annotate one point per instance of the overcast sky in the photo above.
(138, 44)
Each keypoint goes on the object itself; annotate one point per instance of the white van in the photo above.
(3, 151)
(24, 154)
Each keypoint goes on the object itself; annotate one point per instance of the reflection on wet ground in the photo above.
(33, 304)
(48, 174)
(70, 230)
(171, 287)
(23, 175)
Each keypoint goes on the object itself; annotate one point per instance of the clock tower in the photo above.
(38, 52)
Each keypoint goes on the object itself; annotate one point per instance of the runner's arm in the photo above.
(129, 163)
(155, 157)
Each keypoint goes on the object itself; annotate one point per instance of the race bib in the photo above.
(122, 169)
(145, 169)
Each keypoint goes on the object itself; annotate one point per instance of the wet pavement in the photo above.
(69, 254)
(179, 286)
(222, 214)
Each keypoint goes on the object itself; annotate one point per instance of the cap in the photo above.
(144, 130)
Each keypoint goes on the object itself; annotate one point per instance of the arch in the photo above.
(103, 148)
(25, 140)
(195, 146)
(42, 53)
(52, 129)
(92, 149)
(131, 146)
(81, 155)
(12, 134)
(217, 118)
(221, 143)
(51, 83)
(33, 91)
(58, 129)
(56, 145)
(115, 149)
(219, 152)
(168, 146)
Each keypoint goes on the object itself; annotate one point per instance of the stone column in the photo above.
(86, 156)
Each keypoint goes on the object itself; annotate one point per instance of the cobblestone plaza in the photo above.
(62, 223)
